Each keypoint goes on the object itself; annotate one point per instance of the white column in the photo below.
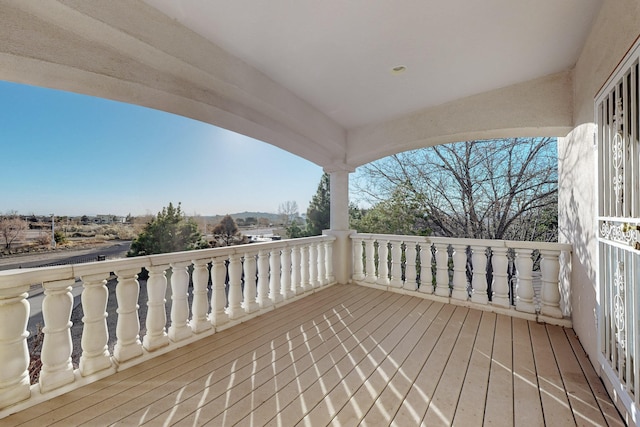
(156, 335)
(179, 328)
(383, 262)
(410, 273)
(250, 291)
(426, 276)
(274, 276)
(358, 266)
(285, 277)
(339, 222)
(550, 295)
(57, 347)
(396, 264)
(442, 269)
(128, 344)
(500, 283)
(370, 262)
(14, 352)
(479, 279)
(218, 295)
(524, 281)
(200, 306)
(235, 287)
(263, 279)
(95, 335)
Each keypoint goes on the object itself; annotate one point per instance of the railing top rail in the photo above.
(11, 279)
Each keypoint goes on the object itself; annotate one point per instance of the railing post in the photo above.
(550, 294)
(95, 336)
(370, 263)
(442, 269)
(524, 281)
(263, 279)
(274, 276)
(383, 262)
(156, 335)
(358, 267)
(235, 287)
(57, 347)
(479, 278)
(128, 344)
(14, 353)
(396, 264)
(304, 268)
(218, 294)
(459, 257)
(250, 291)
(296, 265)
(328, 259)
(322, 275)
(410, 272)
(179, 328)
(426, 276)
(199, 306)
(285, 276)
(313, 265)
(500, 283)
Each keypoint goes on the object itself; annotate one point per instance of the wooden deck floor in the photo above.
(350, 355)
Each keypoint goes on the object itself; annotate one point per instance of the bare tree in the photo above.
(226, 230)
(288, 211)
(498, 189)
(12, 228)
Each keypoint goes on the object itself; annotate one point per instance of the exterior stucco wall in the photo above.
(613, 33)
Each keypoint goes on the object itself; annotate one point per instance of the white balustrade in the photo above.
(328, 262)
(396, 264)
(95, 352)
(313, 266)
(410, 273)
(304, 268)
(128, 345)
(14, 353)
(57, 369)
(322, 275)
(274, 277)
(426, 276)
(550, 294)
(358, 266)
(200, 306)
(459, 257)
(383, 263)
(234, 309)
(219, 315)
(263, 279)
(442, 269)
(370, 265)
(479, 278)
(285, 276)
(156, 335)
(296, 281)
(250, 291)
(500, 283)
(524, 281)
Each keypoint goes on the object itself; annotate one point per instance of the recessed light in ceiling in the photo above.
(398, 69)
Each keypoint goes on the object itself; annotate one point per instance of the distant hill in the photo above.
(244, 215)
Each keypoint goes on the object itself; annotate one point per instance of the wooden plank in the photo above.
(393, 396)
(555, 405)
(470, 409)
(499, 405)
(583, 403)
(526, 396)
(417, 401)
(445, 399)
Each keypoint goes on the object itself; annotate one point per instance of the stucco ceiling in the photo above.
(337, 55)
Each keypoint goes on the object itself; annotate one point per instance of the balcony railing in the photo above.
(229, 286)
(527, 279)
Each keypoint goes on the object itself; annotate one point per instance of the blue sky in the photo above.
(72, 154)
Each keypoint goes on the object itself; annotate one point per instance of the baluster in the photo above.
(322, 276)
(500, 283)
(285, 278)
(396, 264)
(274, 276)
(179, 328)
(313, 265)
(550, 269)
(370, 262)
(235, 287)
(328, 259)
(304, 268)
(358, 267)
(296, 278)
(442, 269)
(383, 262)
(128, 344)
(426, 276)
(479, 279)
(263, 279)
(57, 347)
(460, 286)
(524, 281)
(410, 273)
(200, 305)
(218, 294)
(250, 291)
(95, 335)
(156, 335)
(14, 352)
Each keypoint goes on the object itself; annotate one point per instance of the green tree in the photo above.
(169, 231)
(318, 212)
(400, 214)
(226, 230)
(294, 230)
